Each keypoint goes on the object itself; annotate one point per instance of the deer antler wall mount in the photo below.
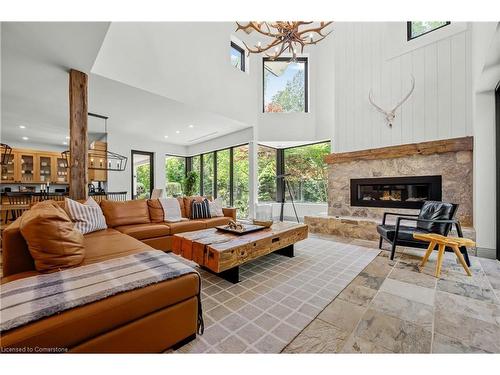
(285, 36)
(390, 115)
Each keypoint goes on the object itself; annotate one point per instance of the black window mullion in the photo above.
(280, 171)
(215, 175)
(188, 165)
(231, 179)
(201, 174)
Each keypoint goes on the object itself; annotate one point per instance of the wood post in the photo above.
(78, 112)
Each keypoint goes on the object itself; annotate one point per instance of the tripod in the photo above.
(283, 197)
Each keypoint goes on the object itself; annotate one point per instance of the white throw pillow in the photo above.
(88, 217)
(171, 210)
(216, 208)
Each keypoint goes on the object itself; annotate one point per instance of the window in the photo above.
(142, 174)
(307, 169)
(175, 171)
(237, 57)
(419, 28)
(266, 160)
(208, 174)
(196, 167)
(241, 181)
(223, 176)
(285, 85)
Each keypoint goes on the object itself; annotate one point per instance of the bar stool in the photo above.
(452, 242)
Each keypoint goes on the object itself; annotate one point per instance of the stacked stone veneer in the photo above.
(455, 167)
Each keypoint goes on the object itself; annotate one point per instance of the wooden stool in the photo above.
(453, 242)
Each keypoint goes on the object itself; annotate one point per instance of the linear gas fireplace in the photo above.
(396, 192)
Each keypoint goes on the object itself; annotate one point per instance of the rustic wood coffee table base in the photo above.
(233, 274)
(222, 253)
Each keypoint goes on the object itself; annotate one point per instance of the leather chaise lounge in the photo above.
(149, 319)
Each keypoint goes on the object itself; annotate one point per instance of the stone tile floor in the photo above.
(391, 307)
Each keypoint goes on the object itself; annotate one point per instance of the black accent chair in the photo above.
(434, 217)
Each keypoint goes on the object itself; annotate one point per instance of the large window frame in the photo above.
(409, 25)
(186, 162)
(242, 55)
(189, 168)
(304, 60)
(280, 167)
(151, 156)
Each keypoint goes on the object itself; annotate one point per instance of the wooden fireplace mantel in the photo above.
(391, 152)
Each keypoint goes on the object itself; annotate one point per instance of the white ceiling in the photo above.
(36, 58)
(138, 112)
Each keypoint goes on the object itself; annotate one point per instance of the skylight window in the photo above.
(285, 85)
(419, 28)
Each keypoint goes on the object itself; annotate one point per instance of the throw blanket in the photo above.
(33, 298)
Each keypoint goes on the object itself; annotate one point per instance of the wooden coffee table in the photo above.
(223, 253)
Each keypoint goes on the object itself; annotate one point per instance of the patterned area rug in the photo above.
(276, 298)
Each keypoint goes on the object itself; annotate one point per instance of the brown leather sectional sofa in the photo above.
(150, 319)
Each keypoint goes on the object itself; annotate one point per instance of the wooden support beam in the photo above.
(391, 152)
(78, 110)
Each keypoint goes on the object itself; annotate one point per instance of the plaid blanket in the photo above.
(33, 298)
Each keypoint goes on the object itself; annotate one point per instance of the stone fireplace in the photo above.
(362, 185)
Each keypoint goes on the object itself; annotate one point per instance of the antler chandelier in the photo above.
(290, 36)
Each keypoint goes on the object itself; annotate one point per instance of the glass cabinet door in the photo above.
(62, 171)
(45, 168)
(27, 165)
(8, 174)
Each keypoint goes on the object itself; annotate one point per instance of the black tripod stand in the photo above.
(283, 197)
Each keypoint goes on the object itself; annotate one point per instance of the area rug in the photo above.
(276, 298)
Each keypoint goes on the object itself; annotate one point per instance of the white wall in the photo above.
(185, 61)
(485, 170)
(233, 139)
(317, 123)
(1, 77)
(290, 126)
(325, 88)
(367, 56)
(485, 37)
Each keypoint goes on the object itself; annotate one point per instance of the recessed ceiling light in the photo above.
(22, 127)
(191, 126)
(166, 136)
(177, 132)
(25, 138)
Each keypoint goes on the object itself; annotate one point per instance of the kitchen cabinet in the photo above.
(35, 167)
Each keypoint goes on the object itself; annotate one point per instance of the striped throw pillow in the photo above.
(200, 210)
(88, 217)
